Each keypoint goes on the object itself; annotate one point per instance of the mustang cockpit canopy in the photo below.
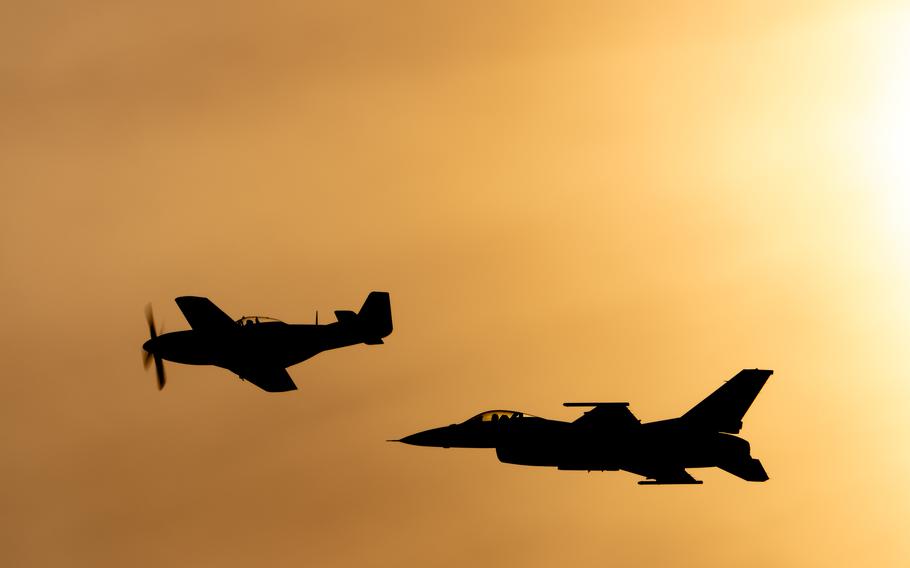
(253, 320)
(496, 415)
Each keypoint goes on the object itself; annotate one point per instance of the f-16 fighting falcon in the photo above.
(256, 348)
(608, 437)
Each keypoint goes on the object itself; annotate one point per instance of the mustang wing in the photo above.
(270, 380)
(202, 314)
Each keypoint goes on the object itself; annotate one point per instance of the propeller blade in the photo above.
(150, 318)
(159, 363)
(159, 371)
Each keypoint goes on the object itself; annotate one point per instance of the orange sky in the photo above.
(568, 202)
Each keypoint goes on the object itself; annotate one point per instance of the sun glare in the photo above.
(881, 137)
(887, 126)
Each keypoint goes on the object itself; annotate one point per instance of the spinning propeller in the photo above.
(159, 364)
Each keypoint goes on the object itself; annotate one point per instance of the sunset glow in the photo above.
(580, 201)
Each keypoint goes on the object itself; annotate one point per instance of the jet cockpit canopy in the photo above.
(253, 320)
(496, 415)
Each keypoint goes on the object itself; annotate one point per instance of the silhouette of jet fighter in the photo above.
(609, 437)
(256, 348)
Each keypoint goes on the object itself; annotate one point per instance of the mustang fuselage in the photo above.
(281, 344)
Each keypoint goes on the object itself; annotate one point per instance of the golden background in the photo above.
(567, 201)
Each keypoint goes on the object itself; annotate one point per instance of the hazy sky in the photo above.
(567, 201)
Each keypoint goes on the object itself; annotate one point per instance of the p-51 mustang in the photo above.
(258, 349)
(609, 437)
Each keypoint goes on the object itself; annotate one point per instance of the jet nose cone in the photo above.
(438, 437)
(418, 439)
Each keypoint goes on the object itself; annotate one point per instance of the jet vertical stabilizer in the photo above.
(724, 409)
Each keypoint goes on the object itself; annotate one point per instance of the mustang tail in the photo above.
(375, 317)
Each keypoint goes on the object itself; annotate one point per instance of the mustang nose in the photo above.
(150, 345)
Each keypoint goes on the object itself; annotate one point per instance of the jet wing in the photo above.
(270, 380)
(202, 314)
(606, 415)
(667, 475)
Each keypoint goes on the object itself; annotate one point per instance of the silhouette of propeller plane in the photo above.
(259, 349)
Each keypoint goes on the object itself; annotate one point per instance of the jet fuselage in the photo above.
(610, 437)
(536, 441)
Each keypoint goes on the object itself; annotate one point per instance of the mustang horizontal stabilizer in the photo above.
(345, 316)
(203, 315)
(606, 414)
(724, 409)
